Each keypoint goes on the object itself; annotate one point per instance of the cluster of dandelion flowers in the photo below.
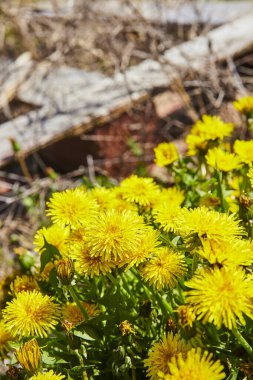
(113, 235)
(164, 268)
(165, 154)
(31, 313)
(244, 104)
(5, 339)
(222, 160)
(72, 207)
(195, 365)
(72, 313)
(50, 375)
(244, 149)
(208, 224)
(221, 296)
(56, 235)
(139, 190)
(161, 354)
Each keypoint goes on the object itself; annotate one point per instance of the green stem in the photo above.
(77, 301)
(153, 294)
(133, 373)
(195, 260)
(220, 191)
(112, 279)
(243, 342)
(181, 294)
(81, 361)
(127, 291)
(251, 229)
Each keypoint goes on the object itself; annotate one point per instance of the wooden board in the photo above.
(73, 101)
(213, 13)
(161, 12)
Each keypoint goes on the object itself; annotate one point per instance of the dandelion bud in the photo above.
(29, 355)
(126, 328)
(185, 316)
(65, 270)
(245, 201)
(170, 326)
(13, 372)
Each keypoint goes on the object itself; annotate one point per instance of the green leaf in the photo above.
(82, 335)
(47, 359)
(86, 332)
(49, 253)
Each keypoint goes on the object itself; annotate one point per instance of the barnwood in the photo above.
(158, 12)
(179, 13)
(12, 75)
(73, 101)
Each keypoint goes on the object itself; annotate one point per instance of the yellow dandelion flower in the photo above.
(144, 247)
(72, 313)
(88, 265)
(212, 128)
(72, 207)
(244, 104)
(244, 149)
(221, 296)
(5, 339)
(31, 313)
(195, 143)
(250, 175)
(186, 316)
(167, 216)
(165, 154)
(29, 355)
(113, 235)
(65, 270)
(56, 235)
(103, 196)
(164, 268)
(120, 204)
(126, 328)
(221, 160)
(76, 237)
(195, 365)
(209, 128)
(208, 224)
(50, 375)
(232, 253)
(161, 354)
(23, 283)
(209, 201)
(139, 190)
(172, 196)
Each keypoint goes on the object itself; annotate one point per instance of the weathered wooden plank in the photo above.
(180, 13)
(72, 100)
(159, 12)
(12, 75)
